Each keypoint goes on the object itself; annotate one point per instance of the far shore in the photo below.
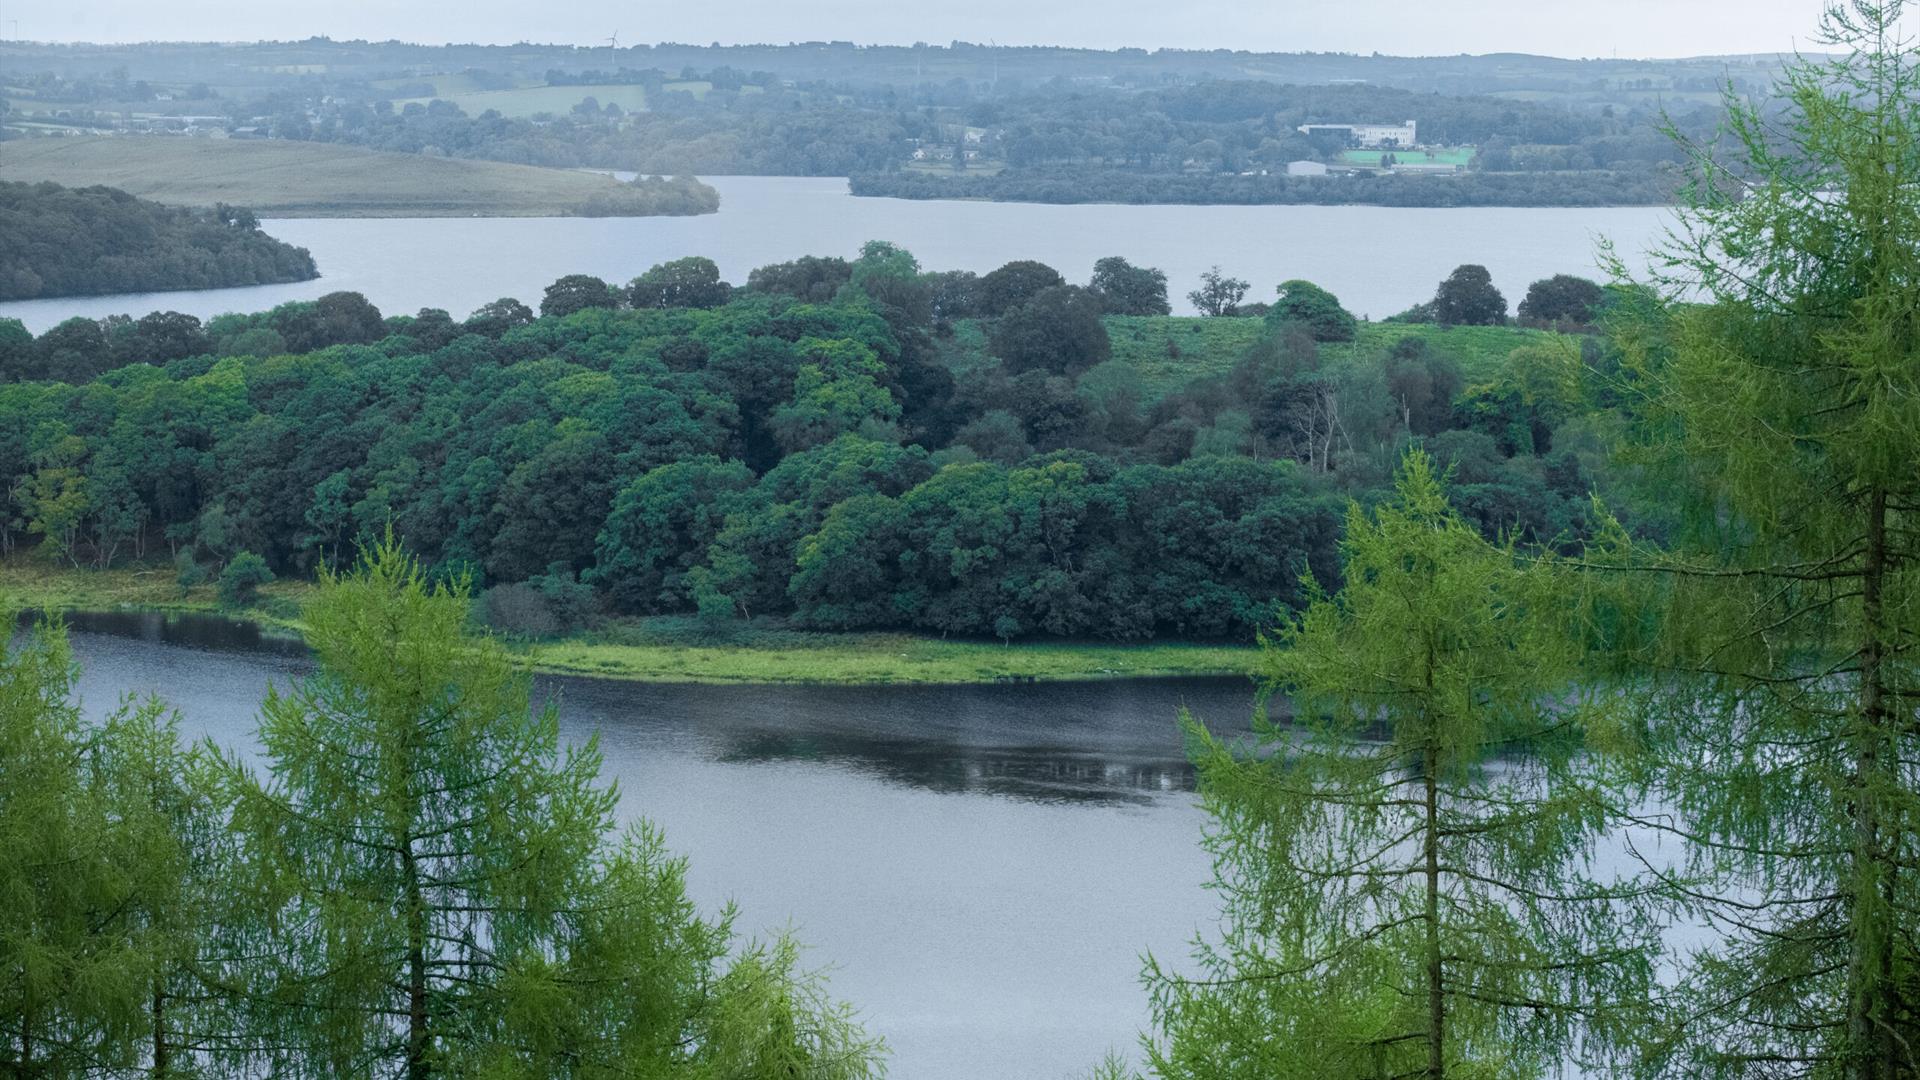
(669, 651)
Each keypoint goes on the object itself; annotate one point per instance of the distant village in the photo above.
(1363, 148)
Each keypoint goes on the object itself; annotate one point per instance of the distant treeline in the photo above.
(112, 74)
(1061, 144)
(1093, 184)
(839, 444)
(57, 241)
(773, 134)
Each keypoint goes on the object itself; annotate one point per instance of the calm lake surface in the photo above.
(1379, 260)
(980, 867)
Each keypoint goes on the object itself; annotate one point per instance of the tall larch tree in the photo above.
(1781, 404)
(444, 897)
(91, 872)
(1405, 864)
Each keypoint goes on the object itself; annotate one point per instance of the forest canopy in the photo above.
(839, 445)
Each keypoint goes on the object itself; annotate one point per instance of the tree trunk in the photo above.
(418, 1036)
(1436, 1000)
(26, 1043)
(160, 1048)
(1869, 963)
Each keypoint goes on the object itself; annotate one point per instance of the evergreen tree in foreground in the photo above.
(433, 860)
(1404, 868)
(1782, 404)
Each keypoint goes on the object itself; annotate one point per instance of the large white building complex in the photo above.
(1370, 136)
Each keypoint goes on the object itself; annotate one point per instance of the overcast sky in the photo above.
(1400, 27)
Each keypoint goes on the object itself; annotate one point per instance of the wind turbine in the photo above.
(613, 43)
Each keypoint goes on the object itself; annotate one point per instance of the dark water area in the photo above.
(189, 630)
(979, 868)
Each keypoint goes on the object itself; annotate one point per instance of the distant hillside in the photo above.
(57, 241)
(277, 178)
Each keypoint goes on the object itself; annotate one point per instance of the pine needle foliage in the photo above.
(1780, 405)
(443, 901)
(95, 913)
(1404, 867)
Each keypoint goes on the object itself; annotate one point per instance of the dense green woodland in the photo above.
(57, 241)
(840, 445)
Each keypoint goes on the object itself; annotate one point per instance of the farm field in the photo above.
(528, 101)
(278, 178)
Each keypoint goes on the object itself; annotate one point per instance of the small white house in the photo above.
(1306, 168)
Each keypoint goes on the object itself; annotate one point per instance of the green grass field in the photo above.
(1452, 155)
(1171, 351)
(452, 83)
(280, 178)
(886, 658)
(671, 650)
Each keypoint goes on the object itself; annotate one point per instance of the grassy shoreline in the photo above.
(656, 651)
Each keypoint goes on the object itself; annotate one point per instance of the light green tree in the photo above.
(434, 859)
(1404, 866)
(92, 872)
(197, 934)
(1781, 405)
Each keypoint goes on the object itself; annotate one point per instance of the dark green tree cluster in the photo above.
(1562, 298)
(419, 879)
(57, 241)
(652, 196)
(639, 451)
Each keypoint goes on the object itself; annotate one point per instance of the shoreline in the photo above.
(660, 651)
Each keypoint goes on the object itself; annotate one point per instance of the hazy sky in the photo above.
(1401, 27)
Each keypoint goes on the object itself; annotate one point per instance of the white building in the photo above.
(1370, 136)
(1306, 168)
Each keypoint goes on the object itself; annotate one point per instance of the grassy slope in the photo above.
(1213, 346)
(668, 650)
(278, 178)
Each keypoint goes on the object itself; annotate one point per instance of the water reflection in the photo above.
(1093, 742)
(1110, 742)
(189, 630)
(1038, 773)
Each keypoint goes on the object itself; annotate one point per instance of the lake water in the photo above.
(980, 867)
(1378, 260)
